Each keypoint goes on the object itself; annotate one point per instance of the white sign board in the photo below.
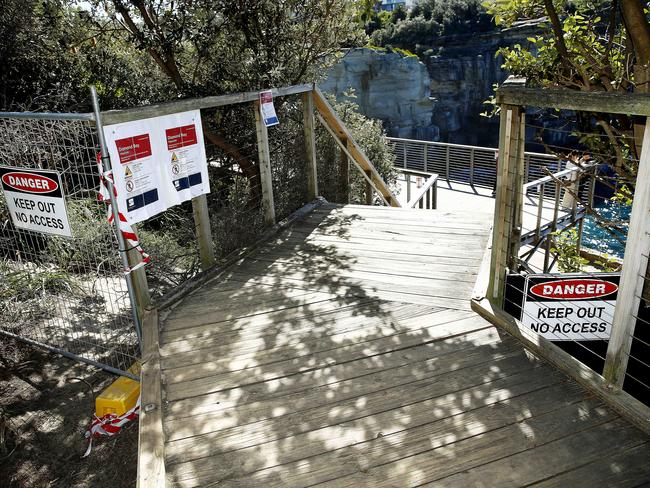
(267, 109)
(157, 163)
(570, 307)
(35, 200)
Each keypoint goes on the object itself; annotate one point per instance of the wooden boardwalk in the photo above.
(344, 353)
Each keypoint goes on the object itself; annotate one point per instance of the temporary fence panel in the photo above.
(65, 293)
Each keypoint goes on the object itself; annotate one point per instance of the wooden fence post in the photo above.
(368, 189)
(203, 231)
(635, 264)
(344, 175)
(310, 144)
(139, 280)
(509, 200)
(264, 157)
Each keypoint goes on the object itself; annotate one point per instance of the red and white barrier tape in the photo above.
(110, 424)
(130, 237)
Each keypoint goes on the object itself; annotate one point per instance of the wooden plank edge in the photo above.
(563, 99)
(174, 296)
(156, 110)
(622, 402)
(151, 443)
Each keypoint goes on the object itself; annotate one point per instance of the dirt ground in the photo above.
(45, 408)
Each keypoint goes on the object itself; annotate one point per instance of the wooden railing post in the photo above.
(310, 144)
(368, 188)
(509, 199)
(344, 175)
(264, 157)
(635, 264)
(203, 232)
(139, 280)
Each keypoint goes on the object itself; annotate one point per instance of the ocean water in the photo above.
(596, 237)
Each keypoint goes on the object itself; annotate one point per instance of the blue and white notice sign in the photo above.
(267, 109)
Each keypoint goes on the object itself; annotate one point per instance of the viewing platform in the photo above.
(343, 352)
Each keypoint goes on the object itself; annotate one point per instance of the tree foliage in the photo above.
(586, 45)
(430, 19)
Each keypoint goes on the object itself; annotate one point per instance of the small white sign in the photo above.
(268, 109)
(35, 200)
(570, 307)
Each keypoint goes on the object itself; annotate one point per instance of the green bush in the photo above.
(565, 245)
(93, 248)
(370, 136)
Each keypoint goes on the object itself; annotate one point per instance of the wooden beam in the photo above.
(344, 175)
(139, 113)
(338, 127)
(500, 229)
(151, 442)
(368, 192)
(604, 102)
(203, 231)
(635, 265)
(516, 192)
(265, 167)
(310, 144)
(139, 280)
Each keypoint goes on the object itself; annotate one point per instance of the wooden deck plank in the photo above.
(626, 469)
(434, 463)
(421, 332)
(382, 399)
(220, 400)
(248, 323)
(355, 445)
(344, 348)
(343, 352)
(537, 463)
(350, 380)
(376, 269)
(447, 291)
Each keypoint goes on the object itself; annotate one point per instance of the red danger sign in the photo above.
(178, 137)
(34, 199)
(29, 182)
(132, 148)
(574, 289)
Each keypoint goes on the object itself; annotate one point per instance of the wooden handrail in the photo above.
(330, 119)
(167, 108)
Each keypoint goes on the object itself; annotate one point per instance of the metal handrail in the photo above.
(559, 175)
(473, 165)
(464, 146)
(427, 196)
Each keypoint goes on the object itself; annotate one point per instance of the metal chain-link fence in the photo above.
(67, 294)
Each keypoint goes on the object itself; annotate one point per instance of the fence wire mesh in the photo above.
(65, 293)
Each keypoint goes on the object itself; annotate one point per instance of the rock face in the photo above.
(463, 70)
(441, 99)
(388, 86)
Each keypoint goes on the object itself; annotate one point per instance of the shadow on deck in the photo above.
(344, 353)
